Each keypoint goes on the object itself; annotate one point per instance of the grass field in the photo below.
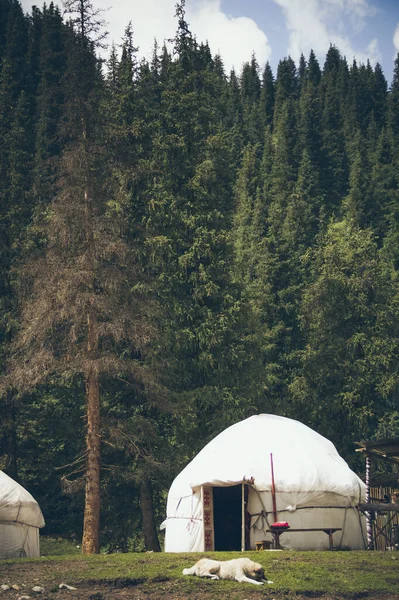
(328, 575)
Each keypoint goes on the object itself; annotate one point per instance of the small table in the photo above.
(277, 531)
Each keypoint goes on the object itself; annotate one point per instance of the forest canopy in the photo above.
(181, 248)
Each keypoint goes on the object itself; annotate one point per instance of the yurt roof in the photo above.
(17, 505)
(303, 460)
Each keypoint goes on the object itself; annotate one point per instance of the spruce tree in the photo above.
(49, 102)
(309, 125)
(358, 206)
(250, 86)
(379, 95)
(190, 216)
(16, 164)
(245, 236)
(393, 105)
(286, 86)
(334, 165)
(82, 317)
(348, 314)
(266, 102)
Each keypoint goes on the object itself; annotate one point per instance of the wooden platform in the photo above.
(379, 507)
(277, 531)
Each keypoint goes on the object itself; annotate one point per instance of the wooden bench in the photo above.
(277, 531)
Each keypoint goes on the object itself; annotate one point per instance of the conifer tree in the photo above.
(133, 116)
(16, 154)
(393, 104)
(246, 236)
(190, 214)
(378, 89)
(286, 86)
(261, 214)
(334, 166)
(358, 206)
(49, 101)
(302, 71)
(250, 86)
(309, 125)
(266, 102)
(81, 315)
(348, 315)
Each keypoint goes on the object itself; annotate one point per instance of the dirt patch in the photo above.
(102, 591)
(136, 589)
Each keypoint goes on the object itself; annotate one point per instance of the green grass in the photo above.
(344, 573)
(56, 546)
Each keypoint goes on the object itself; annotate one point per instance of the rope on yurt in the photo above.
(343, 527)
(262, 515)
(19, 509)
(23, 551)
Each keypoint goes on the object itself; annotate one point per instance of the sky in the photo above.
(270, 29)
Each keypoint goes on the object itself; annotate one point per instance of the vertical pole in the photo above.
(369, 520)
(273, 489)
(243, 517)
(203, 519)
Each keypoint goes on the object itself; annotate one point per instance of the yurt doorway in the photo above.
(227, 506)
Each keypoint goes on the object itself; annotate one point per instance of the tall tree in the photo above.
(16, 166)
(349, 364)
(83, 316)
(334, 165)
(266, 102)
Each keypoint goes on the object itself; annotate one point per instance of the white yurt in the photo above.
(260, 471)
(20, 520)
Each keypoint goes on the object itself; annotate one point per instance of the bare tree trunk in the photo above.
(147, 509)
(91, 523)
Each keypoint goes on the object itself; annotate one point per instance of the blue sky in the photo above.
(360, 28)
(272, 29)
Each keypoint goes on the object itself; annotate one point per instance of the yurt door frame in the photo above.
(208, 519)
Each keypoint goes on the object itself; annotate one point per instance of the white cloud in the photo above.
(358, 9)
(315, 24)
(235, 39)
(396, 38)
(151, 19)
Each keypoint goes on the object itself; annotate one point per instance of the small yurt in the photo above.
(260, 471)
(20, 520)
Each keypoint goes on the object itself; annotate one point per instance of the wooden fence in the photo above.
(383, 521)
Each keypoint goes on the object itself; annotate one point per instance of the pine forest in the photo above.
(182, 248)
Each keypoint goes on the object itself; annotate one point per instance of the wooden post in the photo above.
(273, 489)
(369, 520)
(242, 517)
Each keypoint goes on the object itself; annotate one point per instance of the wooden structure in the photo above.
(263, 545)
(382, 495)
(277, 531)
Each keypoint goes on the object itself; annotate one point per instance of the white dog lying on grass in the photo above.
(243, 570)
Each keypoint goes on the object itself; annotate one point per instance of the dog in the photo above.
(243, 570)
